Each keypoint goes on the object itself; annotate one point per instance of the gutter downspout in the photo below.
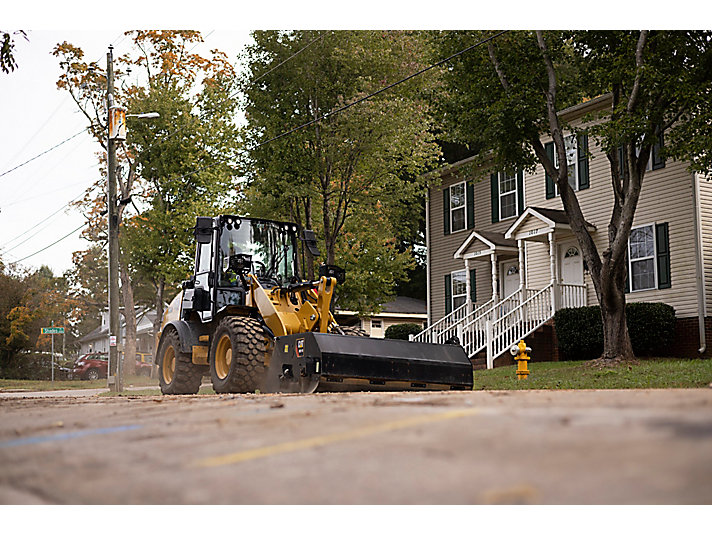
(699, 272)
(427, 257)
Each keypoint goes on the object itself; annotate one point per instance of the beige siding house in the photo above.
(502, 257)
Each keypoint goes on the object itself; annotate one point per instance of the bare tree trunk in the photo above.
(616, 340)
(308, 222)
(129, 313)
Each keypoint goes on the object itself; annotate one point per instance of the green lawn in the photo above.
(48, 385)
(654, 373)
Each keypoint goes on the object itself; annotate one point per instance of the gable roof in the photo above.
(551, 217)
(493, 240)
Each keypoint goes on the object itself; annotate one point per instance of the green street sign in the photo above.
(53, 330)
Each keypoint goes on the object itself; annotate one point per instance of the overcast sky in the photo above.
(35, 115)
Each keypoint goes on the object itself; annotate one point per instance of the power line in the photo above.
(43, 153)
(54, 243)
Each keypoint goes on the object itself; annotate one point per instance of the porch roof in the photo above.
(493, 242)
(548, 221)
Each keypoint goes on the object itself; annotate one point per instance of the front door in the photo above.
(571, 262)
(510, 278)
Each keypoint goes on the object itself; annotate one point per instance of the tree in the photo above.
(513, 88)
(159, 159)
(349, 175)
(7, 50)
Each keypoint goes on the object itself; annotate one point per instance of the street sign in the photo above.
(112, 341)
(53, 330)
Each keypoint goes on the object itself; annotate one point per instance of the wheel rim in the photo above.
(169, 365)
(223, 357)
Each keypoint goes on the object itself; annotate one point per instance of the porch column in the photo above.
(552, 270)
(495, 274)
(520, 246)
(468, 286)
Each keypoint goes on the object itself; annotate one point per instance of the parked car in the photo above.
(91, 367)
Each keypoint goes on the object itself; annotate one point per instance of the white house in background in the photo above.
(502, 257)
(398, 311)
(97, 341)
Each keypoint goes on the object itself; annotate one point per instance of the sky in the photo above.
(35, 115)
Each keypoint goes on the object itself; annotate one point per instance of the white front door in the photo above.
(509, 277)
(571, 262)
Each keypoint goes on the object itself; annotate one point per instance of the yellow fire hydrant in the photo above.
(521, 352)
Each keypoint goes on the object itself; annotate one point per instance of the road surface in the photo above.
(535, 447)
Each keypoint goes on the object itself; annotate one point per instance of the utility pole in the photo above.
(114, 328)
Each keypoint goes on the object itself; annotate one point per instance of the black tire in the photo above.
(92, 374)
(177, 374)
(237, 355)
(354, 331)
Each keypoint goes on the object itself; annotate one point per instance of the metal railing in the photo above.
(519, 322)
(573, 295)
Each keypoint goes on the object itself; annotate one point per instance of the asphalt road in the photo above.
(536, 447)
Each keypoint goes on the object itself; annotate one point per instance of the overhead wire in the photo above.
(43, 153)
(53, 243)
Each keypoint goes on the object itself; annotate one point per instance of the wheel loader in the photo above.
(248, 320)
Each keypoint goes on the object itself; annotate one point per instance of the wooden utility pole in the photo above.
(114, 327)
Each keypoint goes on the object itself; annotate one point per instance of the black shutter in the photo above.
(470, 193)
(448, 294)
(549, 179)
(584, 182)
(658, 161)
(494, 190)
(473, 286)
(621, 158)
(520, 192)
(627, 271)
(446, 210)
(662, 244)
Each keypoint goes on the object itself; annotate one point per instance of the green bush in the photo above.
(651, 326)
(35, 366)
(402, 331)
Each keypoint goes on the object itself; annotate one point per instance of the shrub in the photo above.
(651, 326)
(402, 331)
(35, 366)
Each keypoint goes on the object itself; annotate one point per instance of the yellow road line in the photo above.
(290, 446)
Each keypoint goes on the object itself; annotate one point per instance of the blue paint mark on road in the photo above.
(66, 436)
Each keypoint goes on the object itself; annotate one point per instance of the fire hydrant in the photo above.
(521, 352)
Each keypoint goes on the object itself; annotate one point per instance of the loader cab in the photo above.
(267, 249)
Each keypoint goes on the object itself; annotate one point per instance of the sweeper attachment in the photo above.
(248, 321)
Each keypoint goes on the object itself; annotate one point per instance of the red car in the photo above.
(95, 366)
(91, 367)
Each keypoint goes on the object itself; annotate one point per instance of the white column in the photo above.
(495, 274)
(552, 269)
(468, 286)
(522, 285)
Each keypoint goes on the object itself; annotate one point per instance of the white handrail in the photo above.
(573, 295)
(452, 325)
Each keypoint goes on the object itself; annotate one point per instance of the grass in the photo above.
(48, 385)
(653, 373)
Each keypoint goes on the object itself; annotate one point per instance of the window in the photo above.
(507, 196)
(572, 252)
(459, 289)
(376, 324)
(641, 257)
(572, 162)
(457, 207)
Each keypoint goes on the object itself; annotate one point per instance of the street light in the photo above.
(117, 132)
(149, 115)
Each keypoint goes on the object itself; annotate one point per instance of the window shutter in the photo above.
(520, 192)
(549, 147)
(662, 243)
(658, 161)
(584, 182)
(470, 193)
(627, 274)
(446, 210)
(448, 294)
(621, 159)
(473, 286)
(494, 189)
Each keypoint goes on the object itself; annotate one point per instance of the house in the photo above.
(502, 257)
(398, 311)
(97, 341)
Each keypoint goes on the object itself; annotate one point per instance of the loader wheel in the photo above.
(237, 356)
(354, 331)
(177, 374)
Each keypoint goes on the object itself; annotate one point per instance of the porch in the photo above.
(524, 294)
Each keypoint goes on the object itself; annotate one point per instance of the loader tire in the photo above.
(177, 374)
(354, 331)
(238, 355)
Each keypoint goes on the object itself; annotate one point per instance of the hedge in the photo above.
(651, 326)
(402, 331)
(35, 366)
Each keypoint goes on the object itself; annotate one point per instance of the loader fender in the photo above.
(187, 335)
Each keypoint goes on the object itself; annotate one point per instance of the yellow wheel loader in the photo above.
(247, 319)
